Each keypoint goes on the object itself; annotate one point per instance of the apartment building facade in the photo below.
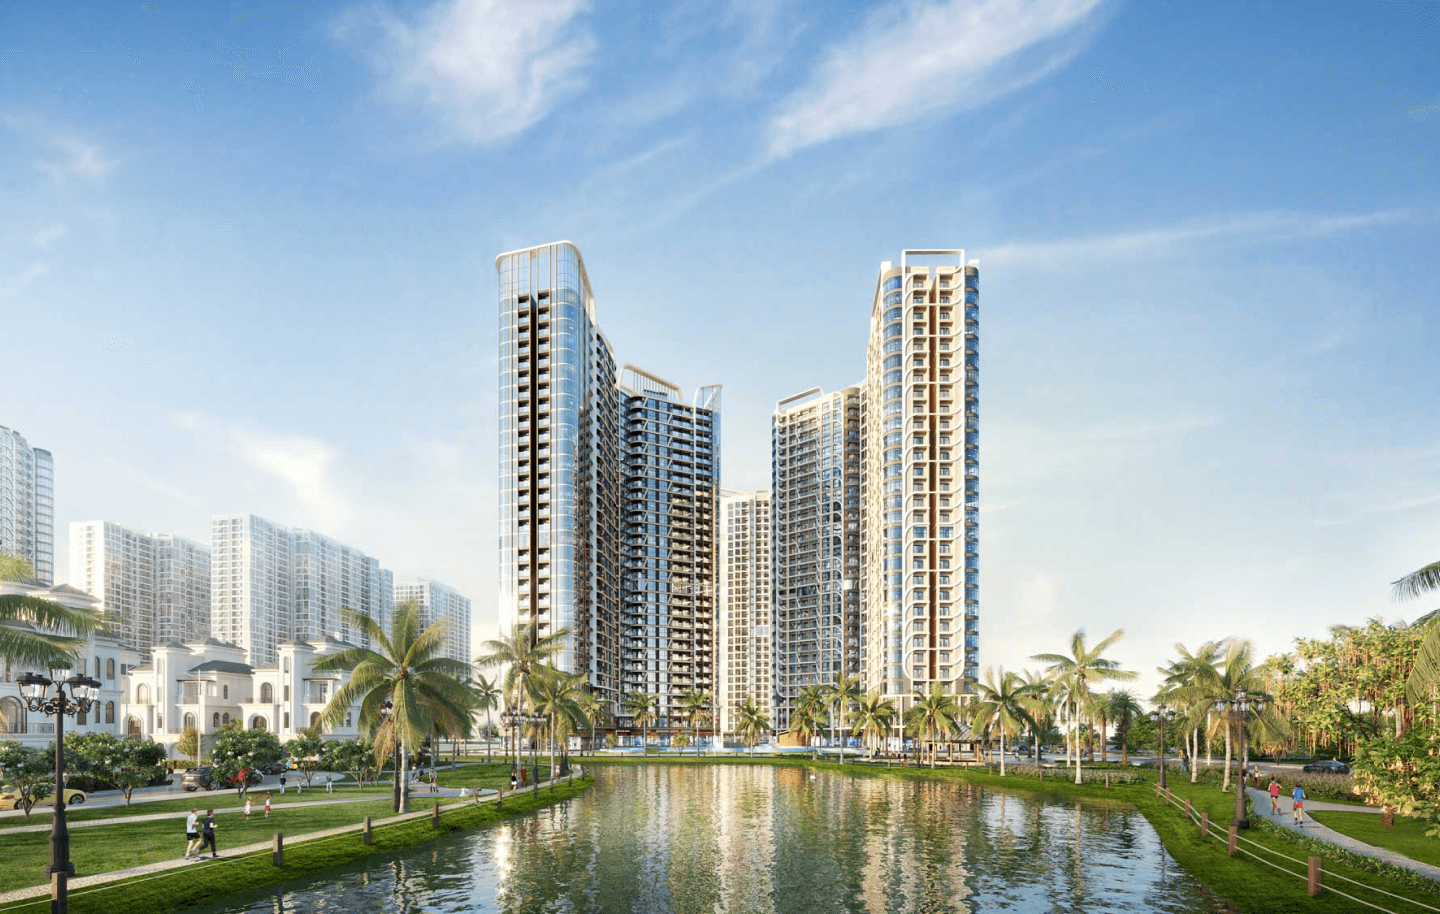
(27, 504)
(438, 602)
(744, 613)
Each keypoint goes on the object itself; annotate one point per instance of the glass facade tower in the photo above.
(671, 499)
(815, 493)
(27, 504)
(921, 486)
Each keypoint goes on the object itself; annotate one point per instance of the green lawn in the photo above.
(1406, 836)
(493, 776)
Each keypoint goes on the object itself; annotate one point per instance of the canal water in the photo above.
(726, 839)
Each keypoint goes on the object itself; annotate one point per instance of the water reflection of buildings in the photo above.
(746, 840)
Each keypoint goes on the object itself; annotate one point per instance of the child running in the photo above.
(267, 804)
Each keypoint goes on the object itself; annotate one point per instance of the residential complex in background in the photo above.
(921, 477)
(815, 496)
(27, 504)
(153, 587)
(438, 602)
(270, 583)
(743, 615)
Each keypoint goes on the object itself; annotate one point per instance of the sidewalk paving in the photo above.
(81, 882)
(1309, 827)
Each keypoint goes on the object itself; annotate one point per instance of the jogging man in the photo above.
(1297, 797)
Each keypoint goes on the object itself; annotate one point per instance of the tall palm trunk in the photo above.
(1002, 750)
(489, 735)
(1208, 758)
(1228, 755)
(404, 776)
(1194, 740)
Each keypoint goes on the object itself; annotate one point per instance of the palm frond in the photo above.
(1416, 583)
(1424, 679)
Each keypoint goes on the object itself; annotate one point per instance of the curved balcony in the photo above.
(972, 580)
(971, 314)
(972, 518)
(894, 282)
(972, 563)
(972, 296)
(972, 439)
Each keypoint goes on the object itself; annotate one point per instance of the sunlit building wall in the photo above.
(744, 668)
(27, 504)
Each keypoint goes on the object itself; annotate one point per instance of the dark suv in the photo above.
(197, 778)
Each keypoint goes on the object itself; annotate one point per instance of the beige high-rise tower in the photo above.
(921, 485)
(743, 643)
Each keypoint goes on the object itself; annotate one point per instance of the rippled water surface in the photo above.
(731, 838)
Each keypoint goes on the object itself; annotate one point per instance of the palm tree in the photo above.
(1040, 703)
(695, 705)
(1424, 678)
(842, 694)
(36, 632)
(487, 699)
(806, 721)
(810, 704)
(426, 691)
(934, 715)
(596, 712)
(522, 652)
(751, 723)
(556, 696)
(1123, 709)
(1078, 670)
(874, 715)
(1000, 705)
(1238, 671)
(1182, 675)
(642, 709)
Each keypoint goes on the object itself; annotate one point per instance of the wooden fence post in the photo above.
(1387, 815)
(1204, 824)
(1314, 876)
(1157, 789)
(435, 814)
(1169, 795)
(277, 856)
(1234, 839)
(365, 831)
(1107, 780)
(1188, 813)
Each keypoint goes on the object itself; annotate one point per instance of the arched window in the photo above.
(189, 721)
(314, 718)
(225, 720)
(215, 720)
(12, 716)
(267, 693)
(81, 719)
(109, 712)
(97, 667)
(225, 691)
(109, 667)
(132, 728)
(142, 694)
(258, 723)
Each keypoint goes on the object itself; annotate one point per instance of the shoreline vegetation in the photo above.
(1240, 881)
(236, 876)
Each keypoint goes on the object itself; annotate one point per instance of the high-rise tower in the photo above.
(744, 665)
(815, 497)
(921, 488)
(560, 463)
(27, 504)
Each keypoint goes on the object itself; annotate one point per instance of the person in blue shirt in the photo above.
(1297, 807)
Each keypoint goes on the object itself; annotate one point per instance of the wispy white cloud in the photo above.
(488, 70)
(913, 60)
(48, 236)
(32, 272)
(74, 158)
(1267, 225)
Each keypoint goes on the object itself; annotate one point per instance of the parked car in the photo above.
(1022, 751)
(1329, 766)
(273, 767)
(198, 778)
(10, 798)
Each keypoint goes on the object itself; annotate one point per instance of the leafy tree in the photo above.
(238, 755)
(934, 716)
(1403, 774)
(681, 741)
(125, 763)
(695, 705)
(40, 633)
(426, 690)
(522, 652)
(751, 723)
(842, 694)
(874, 715)
(556, 697)
(1000, 707)
(1123, 710)
(189, 744)
(29, 771)
(354, 756)
(642, 709)
(1076, 671)
(307, 753)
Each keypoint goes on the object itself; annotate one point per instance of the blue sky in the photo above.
(246, 264)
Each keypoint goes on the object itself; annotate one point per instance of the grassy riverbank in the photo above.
(206, 881)
(1249, 885)
(1406, 836)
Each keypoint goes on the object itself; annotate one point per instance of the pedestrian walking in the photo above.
(1297, 798)
(192, 833)
(329, 784)
(512, 779)
(267, 804)
(1274, 796)
(248, 803)
(434, 788)
(282, 783)
(208, 835)
(300, 786)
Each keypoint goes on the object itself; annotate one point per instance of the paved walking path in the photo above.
(77, 884)
(1260, 800)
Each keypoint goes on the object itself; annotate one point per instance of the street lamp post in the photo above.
(517, 719)
(83, 691)
(1162, 716)
(1239, 707)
